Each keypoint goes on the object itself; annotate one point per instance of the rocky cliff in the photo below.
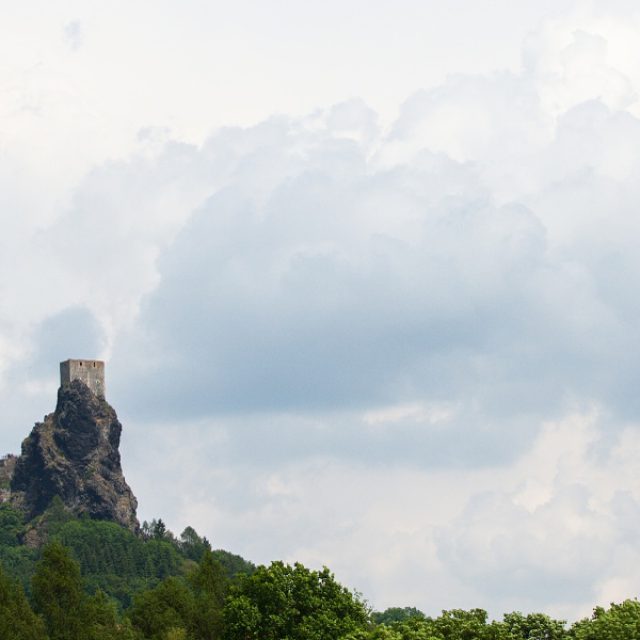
(74, 454)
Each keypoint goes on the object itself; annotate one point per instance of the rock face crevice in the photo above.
(74, 454)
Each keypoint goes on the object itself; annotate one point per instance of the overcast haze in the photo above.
(365, 276)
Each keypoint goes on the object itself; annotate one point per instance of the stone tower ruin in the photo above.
(91, 372)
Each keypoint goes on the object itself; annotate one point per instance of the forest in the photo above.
(95, 580)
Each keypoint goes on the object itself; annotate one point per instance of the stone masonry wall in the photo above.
(91, 372)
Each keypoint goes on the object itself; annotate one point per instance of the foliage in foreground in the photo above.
(283, 601)
(278, 602)
(169, 588)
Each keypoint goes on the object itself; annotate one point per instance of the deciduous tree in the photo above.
(292, 602)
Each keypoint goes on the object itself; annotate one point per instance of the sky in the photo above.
(364, 275)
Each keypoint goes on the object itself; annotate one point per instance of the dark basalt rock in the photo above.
(74, 454)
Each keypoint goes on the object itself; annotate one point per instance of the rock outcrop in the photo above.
(74, 454)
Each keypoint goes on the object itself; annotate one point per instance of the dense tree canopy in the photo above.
(58, 595)
(98, 581)
(111, 558)
(396, 614)
(619, 621)
(17, 620)
(292, 602)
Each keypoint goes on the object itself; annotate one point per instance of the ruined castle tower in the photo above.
(91, 372)
(74, 453)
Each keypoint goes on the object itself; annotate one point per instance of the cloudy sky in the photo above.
(365, 275)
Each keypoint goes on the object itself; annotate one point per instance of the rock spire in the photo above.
(74, 454)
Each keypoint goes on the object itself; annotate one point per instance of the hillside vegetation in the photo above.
(96, 580)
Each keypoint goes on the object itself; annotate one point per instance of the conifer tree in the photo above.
(57, 593)
(209, 584)
(17, 620)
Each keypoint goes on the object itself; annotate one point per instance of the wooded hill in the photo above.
(97, 580)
